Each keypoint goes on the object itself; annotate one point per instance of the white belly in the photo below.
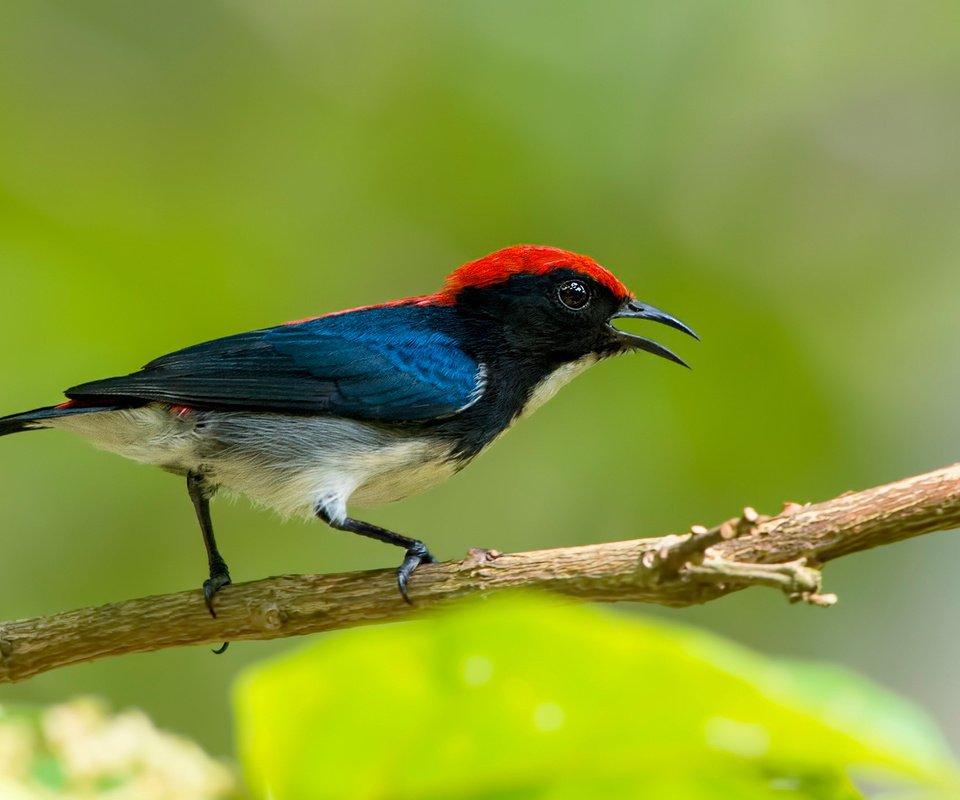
(291, 464)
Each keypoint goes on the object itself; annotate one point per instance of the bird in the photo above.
(365, 406)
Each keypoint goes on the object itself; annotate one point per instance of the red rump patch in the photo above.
(529, 259)
(65, 405)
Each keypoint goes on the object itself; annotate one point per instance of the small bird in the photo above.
(368, 405)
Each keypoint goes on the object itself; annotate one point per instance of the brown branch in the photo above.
(785, 552)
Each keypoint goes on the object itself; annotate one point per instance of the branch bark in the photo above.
(785, 552)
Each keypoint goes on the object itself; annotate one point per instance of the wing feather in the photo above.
(391, 364)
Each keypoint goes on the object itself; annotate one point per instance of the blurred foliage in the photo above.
(523, 698)
(783, 176)
(78, 751)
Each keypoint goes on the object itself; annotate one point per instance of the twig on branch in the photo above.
(784, 552)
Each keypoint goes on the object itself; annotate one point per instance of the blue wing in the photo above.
(391, 363)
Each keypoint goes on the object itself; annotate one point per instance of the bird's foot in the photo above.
(217, 580)
(417, 554)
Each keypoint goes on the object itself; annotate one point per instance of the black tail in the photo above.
(34, 420)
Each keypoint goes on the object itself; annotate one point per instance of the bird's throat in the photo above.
(553, 382)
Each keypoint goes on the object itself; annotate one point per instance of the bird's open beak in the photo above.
(634, 309)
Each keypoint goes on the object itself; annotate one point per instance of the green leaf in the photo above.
(527, 698)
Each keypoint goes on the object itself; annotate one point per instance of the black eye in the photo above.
(573, 294)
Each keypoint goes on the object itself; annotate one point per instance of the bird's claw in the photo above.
(417, 554)
(212, 585)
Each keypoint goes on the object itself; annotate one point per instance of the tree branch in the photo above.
(784, 552)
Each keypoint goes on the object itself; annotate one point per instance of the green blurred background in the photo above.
(783, 176)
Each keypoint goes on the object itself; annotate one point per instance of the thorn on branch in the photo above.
(477, 559)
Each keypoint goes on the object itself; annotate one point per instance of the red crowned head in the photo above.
(558, 304)
(527, 259)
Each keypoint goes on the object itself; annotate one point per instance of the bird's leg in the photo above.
(417, 552)
(200, 494)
